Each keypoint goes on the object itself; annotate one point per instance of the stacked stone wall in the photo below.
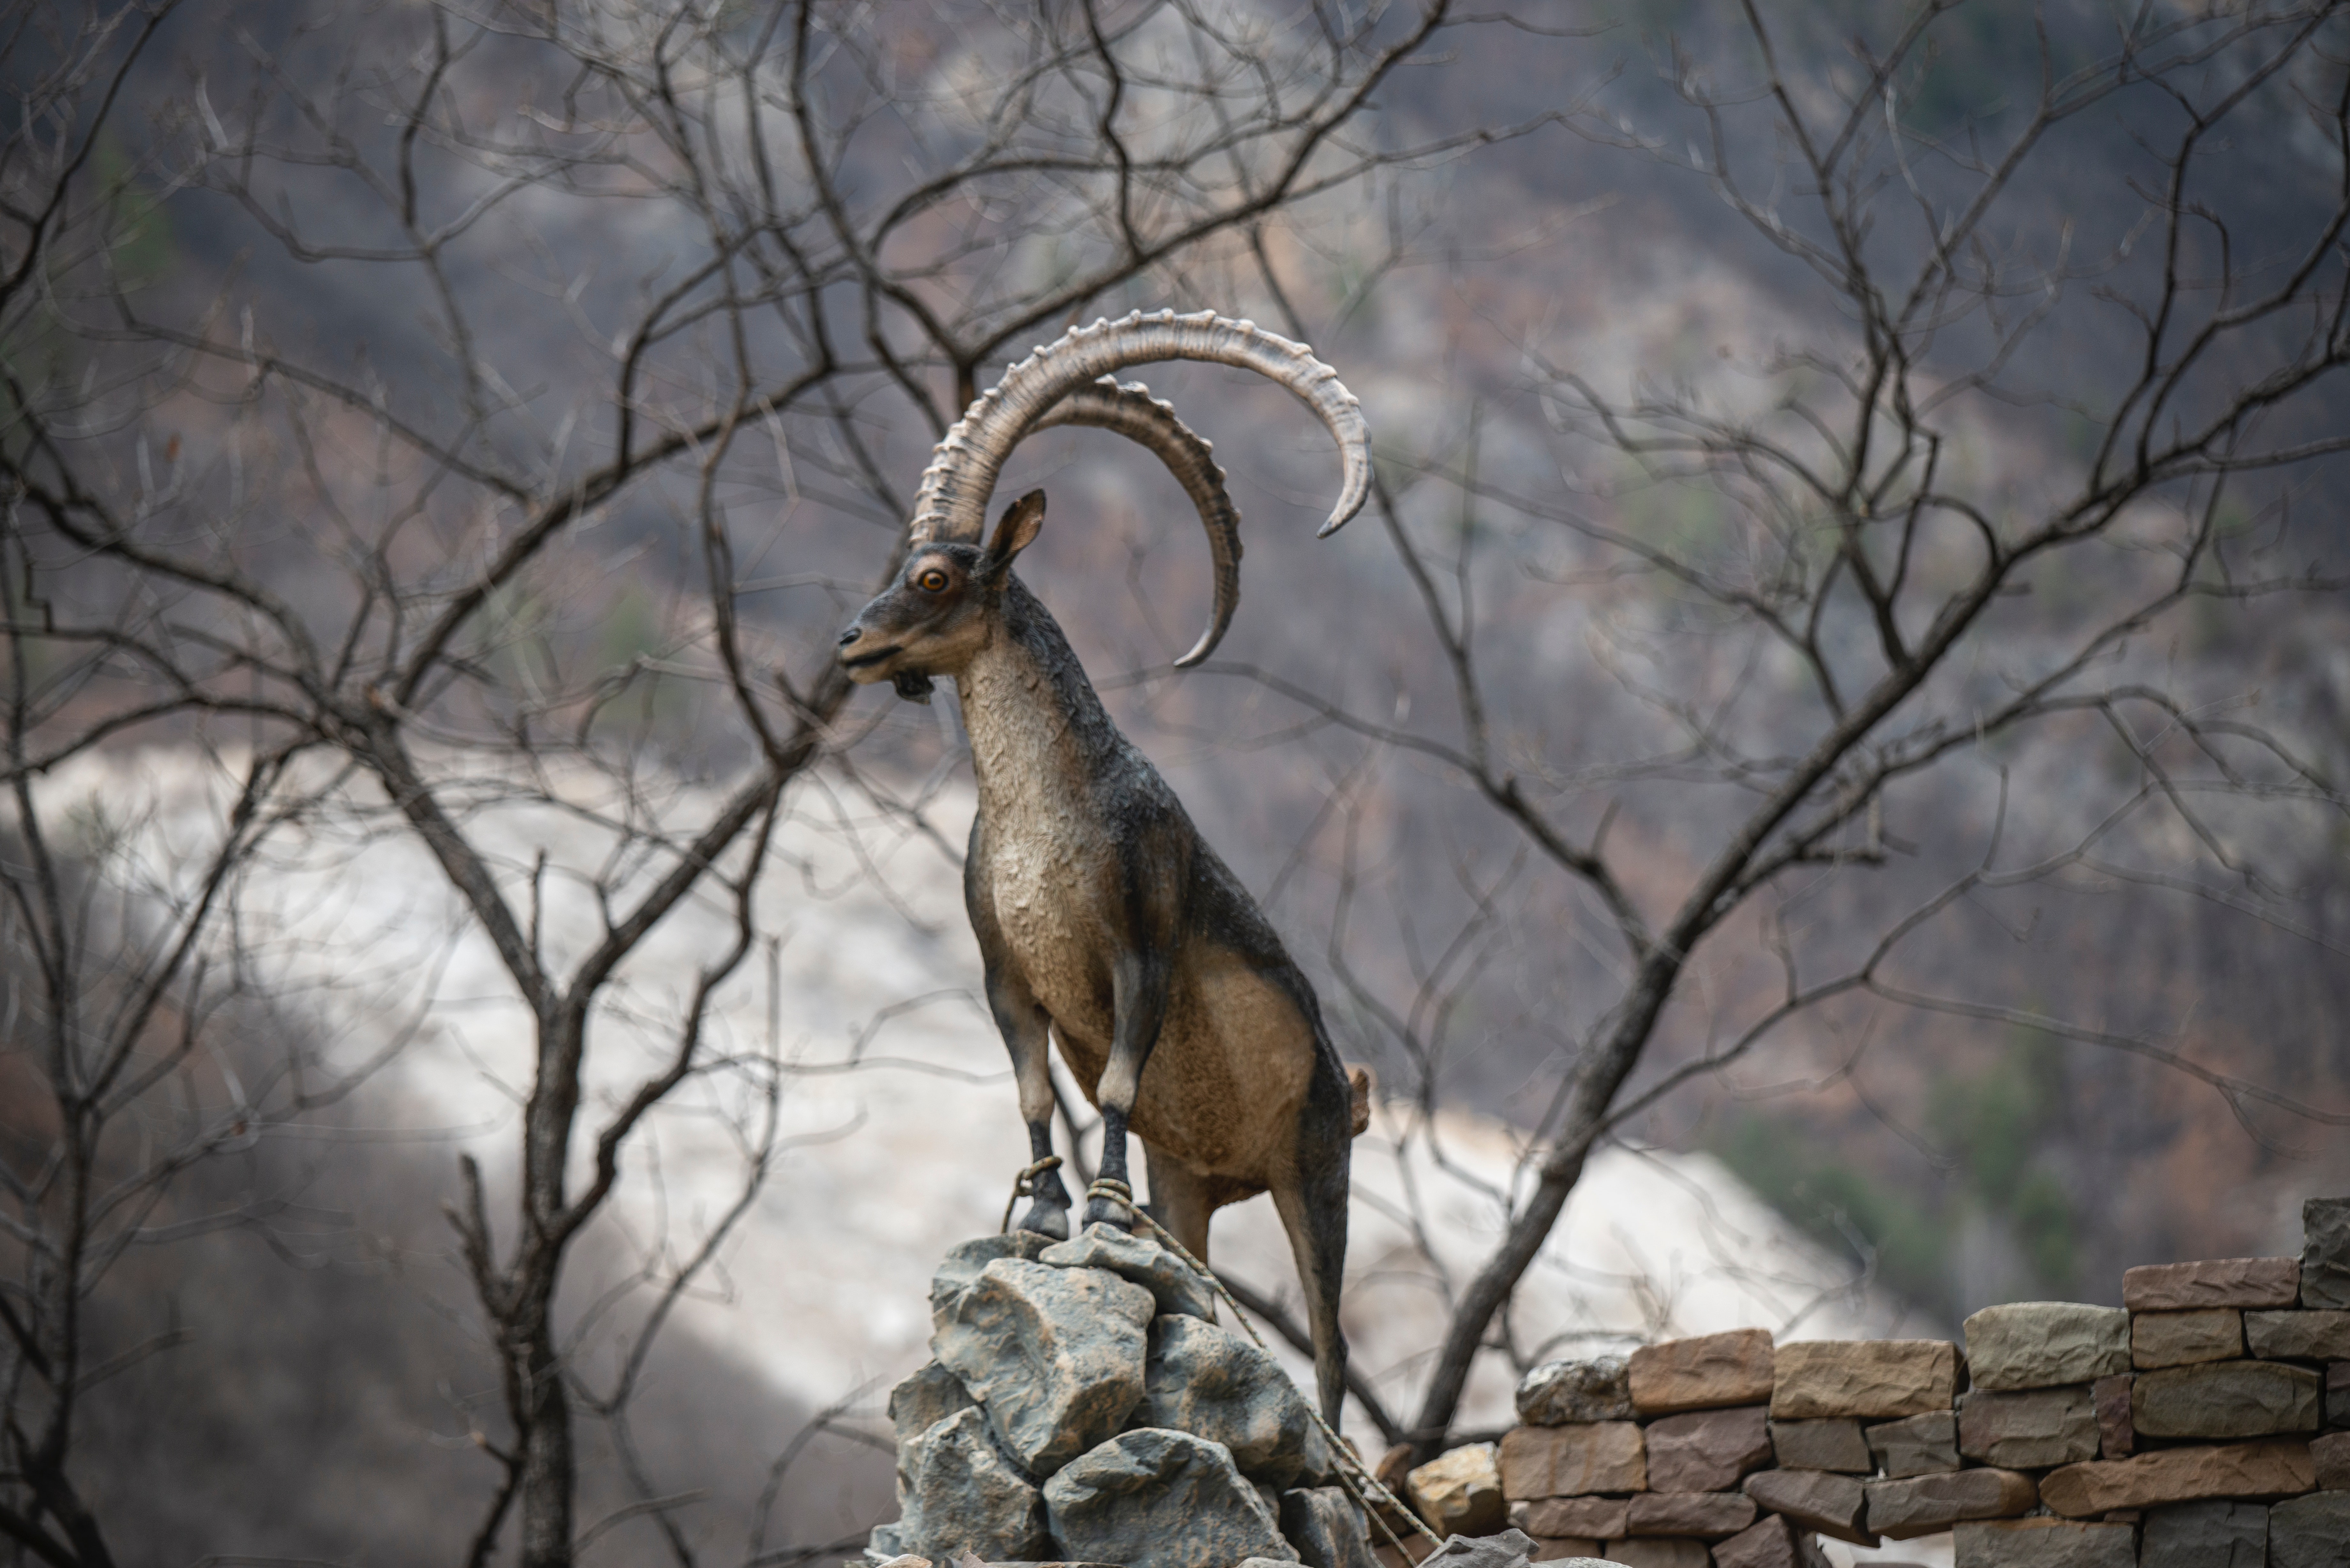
(2203, 1424)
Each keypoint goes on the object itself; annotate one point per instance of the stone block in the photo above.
(2206, 1535)
(1459, 1492)
(1916, 1445)
(2039, 1344)
(2044, 1543)
(1055, 1355)
(1572, 1461)
(2277, 1468)
(2311, 1532)
(959, 1491)
(1575, 1550)
(1558, 1393)
(2185, 1338)
(2331, 1455)
(1707, 1372)
(1707, 1450)
(1169, 1279)
(1327, 1527)
(1212, 1384)
(2337, 1393)
(1871, 1379)
(2326, 1253)
(1817, 1500)
(2298, 1335)
(1822, 1446)
(2116, 1438)
(2237, 1283)
(1590, 1518)
(2225, 1399)
(1769, 1542)
(2029, 1428)
(1156, 1499)
(1704, 1515)
(1925, 1505)
(1659, 1552)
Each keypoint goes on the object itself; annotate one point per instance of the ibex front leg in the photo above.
(1139, 995)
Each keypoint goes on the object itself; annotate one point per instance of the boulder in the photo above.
(2298, 1335)
(1459, 1492)
(2045, 1544)
(2237, 1283)
(1872, 1379)
(2185, 1338)
(1707, 1450)
(1701, 1373)
(2278, 1468)
(1326, 1528)
(1156, 1499)
(2032, 1428)
(1213, 1384)
(2311, 1532)
(1572, 1461)
(1558, 1393)
(1703, 1515)
(1056, 1356)
(961, 1491)
(1177, 1288)
(2116, 1438)
(2206, 1535)
(1916, 1445)
(961, 1267)
(1928, 1505)
(2326, 1253)
(1585, 1518)
(1815, 1446)
(1769, 1542)
(1832, 1504)
(925, 1397)
(2225, 1399)
(2039, 1344)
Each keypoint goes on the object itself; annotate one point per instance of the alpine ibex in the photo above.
(1103, 920)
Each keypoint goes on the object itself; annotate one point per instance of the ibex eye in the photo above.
(933, 581)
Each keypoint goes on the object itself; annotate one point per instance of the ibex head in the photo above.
(935, 615)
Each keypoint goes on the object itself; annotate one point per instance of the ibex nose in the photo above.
(849, 636)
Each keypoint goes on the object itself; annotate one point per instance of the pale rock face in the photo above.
(2040, 1345)
(1056, 1356)
(1459, 1492)
(1560, 1393)
(1156, 1499)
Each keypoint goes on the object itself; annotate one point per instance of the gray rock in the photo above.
(962, 1492)
(2034, 1428)
(1156, 1499)
(1562, 1393)
(2045, 1544)
(2039, 1344)
(2325, 1253)
(926, 1398)
(2312, 1531)
(2298, 1335)
(962, 1265)
(2206, 1535)
(1215, 1384)
(1509, 1549)
(1054, 1354)
(2225, 1399)
(1167, 1277)
(1916, 1445)
(882, 1546)
(1813, 1446)
(1326, 1528)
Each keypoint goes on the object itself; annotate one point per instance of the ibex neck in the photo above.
(1035, 724)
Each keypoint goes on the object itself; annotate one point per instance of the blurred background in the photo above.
(1814, 785)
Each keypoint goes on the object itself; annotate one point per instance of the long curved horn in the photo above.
(1131, 411)
(952, 502)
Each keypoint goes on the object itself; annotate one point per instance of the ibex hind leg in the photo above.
(1027, 1035)
(1178, 1199)
(1312, 1200)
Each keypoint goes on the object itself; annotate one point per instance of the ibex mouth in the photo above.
(913, 688)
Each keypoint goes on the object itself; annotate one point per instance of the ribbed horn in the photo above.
(952, 502)
(1131, 411)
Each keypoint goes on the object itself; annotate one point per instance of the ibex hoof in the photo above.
(1045, 1221)
(1106, 1211)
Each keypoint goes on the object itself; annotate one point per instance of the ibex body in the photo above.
(1104, 920)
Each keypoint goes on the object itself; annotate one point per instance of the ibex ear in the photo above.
(1015, 532)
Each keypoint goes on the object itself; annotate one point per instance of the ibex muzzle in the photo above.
(1104, 921)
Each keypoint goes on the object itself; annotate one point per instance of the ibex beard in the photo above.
(1104, 920)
